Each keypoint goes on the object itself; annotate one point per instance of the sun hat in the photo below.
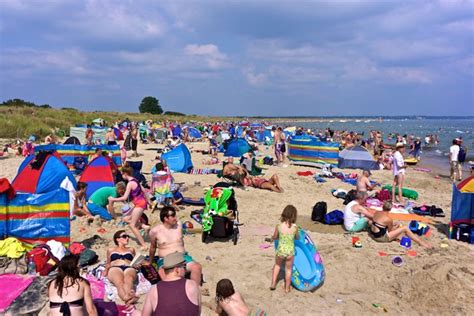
(172, 260)
(399, 145)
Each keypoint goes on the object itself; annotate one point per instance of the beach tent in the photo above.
(72, 141)
(357, 157)
(237, 147)
(118, 133)
(69, 153)
(41, 173)
(309, 151)
(177, 131)
(178, 159)
(161, 133)
(462, 205)
(98, 174)
(194, 133)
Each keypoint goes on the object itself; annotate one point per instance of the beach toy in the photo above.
(308, 269)
(398, 261)
(355, 240)
(358, 244)
(405, 242)
(408, 193)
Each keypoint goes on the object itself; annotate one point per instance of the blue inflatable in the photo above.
(308, 269)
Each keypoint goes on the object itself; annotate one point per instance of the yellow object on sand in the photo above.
(411, 161)
(12, 248)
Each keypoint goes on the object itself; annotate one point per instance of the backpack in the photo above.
(335, 217)
(319, 211)
(43, 258)
(462, 154)
(383, 195)
(87, 257)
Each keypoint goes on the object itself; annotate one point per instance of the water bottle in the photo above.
(31, 267)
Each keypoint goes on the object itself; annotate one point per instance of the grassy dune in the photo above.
(22, 121)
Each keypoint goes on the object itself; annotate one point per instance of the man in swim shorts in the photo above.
(168, 238)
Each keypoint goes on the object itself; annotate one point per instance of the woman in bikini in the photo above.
(137, 196)
(69, 292)
(118, 269)
(382, 228)
(272, 184)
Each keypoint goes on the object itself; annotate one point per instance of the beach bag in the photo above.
(268, 160)
(335, 217)
(150, 272)
(319, 211)
(106, 308)
(87, 257)
(383, 195)
(13, 266)
(462, 154)
(350, 196)
(43, 258)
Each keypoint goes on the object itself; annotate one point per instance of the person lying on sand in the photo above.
(168, 238)
(382, 228)
(118, 269)
(272, 184)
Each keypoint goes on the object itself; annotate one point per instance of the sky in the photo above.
(217, 57)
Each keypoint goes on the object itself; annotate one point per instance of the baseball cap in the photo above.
(172, 260)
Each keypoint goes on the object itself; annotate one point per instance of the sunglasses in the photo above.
(124, 236)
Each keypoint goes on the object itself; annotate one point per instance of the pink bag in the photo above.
(97, 287)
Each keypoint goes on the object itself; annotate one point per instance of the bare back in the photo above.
(234, 305)
(70, 294)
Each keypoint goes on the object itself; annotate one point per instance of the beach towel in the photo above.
(203, 171)
(33, 299)
(408, 217)
(305, 173)
(12, 286)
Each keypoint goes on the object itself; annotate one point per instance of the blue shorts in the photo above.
(99, 210)
(187, 259)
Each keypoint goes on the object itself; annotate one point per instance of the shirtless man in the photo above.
(363, 183)
(168, 238)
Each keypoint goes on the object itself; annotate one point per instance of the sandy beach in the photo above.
(438, 281)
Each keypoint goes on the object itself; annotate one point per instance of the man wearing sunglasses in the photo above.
(173, 295)
(168, 238)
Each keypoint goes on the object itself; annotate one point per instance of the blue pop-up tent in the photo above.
(178, 159)
(237, 147)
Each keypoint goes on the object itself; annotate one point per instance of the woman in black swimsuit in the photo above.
(382, 228)
(68, 292)
(118, 269)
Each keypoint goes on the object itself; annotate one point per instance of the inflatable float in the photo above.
(308, 270)
(408, 193)
(411, 161)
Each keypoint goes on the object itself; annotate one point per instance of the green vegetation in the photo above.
(150, 105)
(19, 119)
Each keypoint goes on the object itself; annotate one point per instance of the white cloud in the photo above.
(255, 79)
(209, 53)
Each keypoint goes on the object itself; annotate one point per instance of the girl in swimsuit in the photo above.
(118, 269)
(135, 193)
(68, 292)
(286, 232)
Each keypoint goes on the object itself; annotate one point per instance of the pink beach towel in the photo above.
(12, 286)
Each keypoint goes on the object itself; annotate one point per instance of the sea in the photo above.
(447, 129)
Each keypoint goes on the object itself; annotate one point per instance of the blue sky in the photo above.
(241, 57)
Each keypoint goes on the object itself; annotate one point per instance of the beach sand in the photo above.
(438, 281)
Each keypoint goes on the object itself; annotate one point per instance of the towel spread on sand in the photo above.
(12, 286)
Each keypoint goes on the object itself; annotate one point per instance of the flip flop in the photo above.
(411, 253)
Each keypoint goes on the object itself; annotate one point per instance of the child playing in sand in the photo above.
(229, 302)
(286, 232)
(80, 205)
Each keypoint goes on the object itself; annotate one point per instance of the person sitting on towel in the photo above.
(382, 228)
(356, 215)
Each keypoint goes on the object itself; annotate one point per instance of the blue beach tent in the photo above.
(357, 157)
(178, 159)
(237, 147)
(194, 133)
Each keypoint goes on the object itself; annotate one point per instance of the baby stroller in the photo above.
(220, 217)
